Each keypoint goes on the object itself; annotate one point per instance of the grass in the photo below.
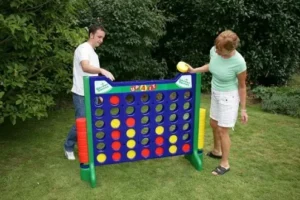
(295, 80)
(265, 162)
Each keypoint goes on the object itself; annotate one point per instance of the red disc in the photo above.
(130, 122)
(116, 145)
(186, 148)
(159, 151)
(114, 100)
(159, 141)
(81, 120)
(116, 156)
(115, 134)
(145, 153)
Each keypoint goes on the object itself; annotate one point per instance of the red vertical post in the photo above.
(82, 140)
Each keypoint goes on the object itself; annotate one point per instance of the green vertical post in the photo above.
(195, 158)
(88, 173)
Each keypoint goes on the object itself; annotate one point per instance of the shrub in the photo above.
(37, 43)
(133, 29)
(269, 33)
(281, 100)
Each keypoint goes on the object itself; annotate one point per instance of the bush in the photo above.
(37, 43)
(281, 100)
(269, 33)
(288, 105)
(133, 29)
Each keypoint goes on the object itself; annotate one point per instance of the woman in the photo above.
(228, 89)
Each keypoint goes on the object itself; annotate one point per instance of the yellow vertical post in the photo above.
(201, 128)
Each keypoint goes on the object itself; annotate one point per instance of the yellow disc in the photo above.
(101, 158)
(159, 130)
(173, 139)
(115, 123)
(182, 67)
(130, 133)
(131, 154)
(131, 144)
(173, 149)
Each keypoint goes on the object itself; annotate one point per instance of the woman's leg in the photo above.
(225, 146)
(214, 116)
(216, 136)
(227, 115)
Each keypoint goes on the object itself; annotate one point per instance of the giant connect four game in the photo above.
(139, 120)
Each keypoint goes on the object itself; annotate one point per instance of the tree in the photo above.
(269, 33)
(133, 29)
(36, 46)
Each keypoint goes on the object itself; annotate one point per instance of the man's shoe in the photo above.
(70, 155)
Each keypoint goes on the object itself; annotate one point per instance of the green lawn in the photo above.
(295, 80)
(265, 164)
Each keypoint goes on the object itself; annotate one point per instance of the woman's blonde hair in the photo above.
(227, 40)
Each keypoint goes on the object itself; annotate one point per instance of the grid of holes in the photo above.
(159, 109)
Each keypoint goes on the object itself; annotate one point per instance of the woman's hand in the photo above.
(202, 69)
(244, 116)
(190, 69)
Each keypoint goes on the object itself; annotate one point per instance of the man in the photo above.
(85, 63)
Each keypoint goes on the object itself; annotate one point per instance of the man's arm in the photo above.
(86, 67)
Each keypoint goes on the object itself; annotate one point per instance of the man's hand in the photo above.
(107, 74)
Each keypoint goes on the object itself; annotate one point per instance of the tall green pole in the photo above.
(195, 158)
(87, 101)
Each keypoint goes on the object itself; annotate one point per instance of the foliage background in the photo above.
(145, 39)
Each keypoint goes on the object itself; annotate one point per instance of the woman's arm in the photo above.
(243, 94)
(202, 69)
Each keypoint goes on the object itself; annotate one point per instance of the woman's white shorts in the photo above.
(224, 107)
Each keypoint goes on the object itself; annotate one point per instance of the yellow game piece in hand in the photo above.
(182, 67)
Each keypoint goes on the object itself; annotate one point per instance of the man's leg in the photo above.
(71, 139)
(72, 136)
